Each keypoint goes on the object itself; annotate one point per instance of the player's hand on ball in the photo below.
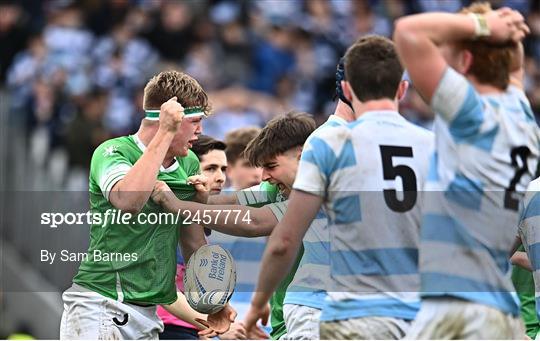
(171, 114)
(255, 314)
(218, 323)
(161, 192)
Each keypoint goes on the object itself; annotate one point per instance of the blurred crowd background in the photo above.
(73, 71)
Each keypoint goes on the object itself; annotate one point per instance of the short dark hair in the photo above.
(205, 144)
(237, 141)
(372, 68)
(281, 134)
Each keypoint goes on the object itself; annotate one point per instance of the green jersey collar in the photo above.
(162, 169)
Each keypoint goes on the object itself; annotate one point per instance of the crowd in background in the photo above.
(75, 70)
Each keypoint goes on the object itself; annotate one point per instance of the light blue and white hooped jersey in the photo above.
(308, 287)
(487, 149)
(369, 174)
(529, 231)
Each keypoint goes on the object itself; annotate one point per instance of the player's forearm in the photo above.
(191, 239)
(236, 220)
(438, 28)
(277, 261)
(284, 243)
(182, 310)
(517, 72)
(223, 199)
(417, 38)
(132, 192)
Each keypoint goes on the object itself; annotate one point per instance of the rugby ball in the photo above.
(210, 279)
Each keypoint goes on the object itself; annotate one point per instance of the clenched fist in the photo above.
(170, 115)
(161, 193)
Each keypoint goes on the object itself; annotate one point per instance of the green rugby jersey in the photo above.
(259, 195)
(277, 321)
(148, 278)
(524, 283)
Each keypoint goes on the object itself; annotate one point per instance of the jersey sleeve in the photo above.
(459, 104)
(109, 165)
(315, 167)
(258, 195)
(530, 221)
(278, 208)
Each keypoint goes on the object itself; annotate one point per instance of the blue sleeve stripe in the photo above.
(527, 110)
(469, 118)
(375, 262)
(533, 207)
(346, 157)
(534, 255)
(321, 155)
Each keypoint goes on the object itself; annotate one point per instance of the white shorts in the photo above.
(365, 328)
(302, 322)
(89, 315)
(448, 318)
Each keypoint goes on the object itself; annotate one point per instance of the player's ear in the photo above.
(465, 61)
(402, 90)
(299, 155)
(347, 91)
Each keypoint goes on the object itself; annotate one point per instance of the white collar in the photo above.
(336, 118)
(378, 114)
(162, 169)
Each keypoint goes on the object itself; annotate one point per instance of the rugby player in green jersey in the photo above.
(277, 149)
(131, 265)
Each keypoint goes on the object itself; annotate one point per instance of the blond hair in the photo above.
(168, 84)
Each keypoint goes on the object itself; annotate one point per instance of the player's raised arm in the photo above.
(419, 37)
(281, 251)
(191, 239)
(517, 70)
(223, 199)
(132, 192)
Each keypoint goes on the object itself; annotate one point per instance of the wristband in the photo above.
(481, 28)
